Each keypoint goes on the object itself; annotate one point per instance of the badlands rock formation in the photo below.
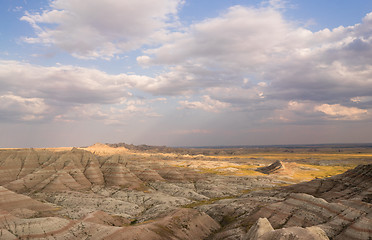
(345, 212)
(262, 230)
(272, 168)
(105, 193)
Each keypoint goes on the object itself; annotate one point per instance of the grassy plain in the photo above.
(300, 164)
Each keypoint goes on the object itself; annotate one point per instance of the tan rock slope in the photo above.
(355, 184)
(339, 206)
(262, 230)
(181, 224)
(94, 196)
(10, 200)
(117, 194)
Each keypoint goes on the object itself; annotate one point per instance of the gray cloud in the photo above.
(247, 59)
(16, 108)
(324, 68)
(66, 93)
(67, 84)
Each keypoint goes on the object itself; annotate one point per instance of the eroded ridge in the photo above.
(339, 206)
(105, 193)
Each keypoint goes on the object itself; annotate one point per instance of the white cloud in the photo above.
(101, 29)
(312, 112)
(143, 60)
(277, 61)
(339, 112)
(64, 84)
(17, 9)
(361, 99)
(16, 108)
(118, 114)
(246, 59)
(295, 111)
(207, 104)
(67, 93)
(240, 37)
(262, 84)
(277, 4)
(236, 95)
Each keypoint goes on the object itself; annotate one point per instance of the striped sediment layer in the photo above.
(10, 200)
(355, 184)
(29, 170)
(181, 224)
(337, 220)
(32, 171)
(100, 194)
(262, 230)
(116, 174)
(104, 218)
(339, 206)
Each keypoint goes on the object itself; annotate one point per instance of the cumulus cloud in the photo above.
(283, 61)
(101, 29)
(247, 59)
(207, 104)
(65, 93)
(240, 37)
(118, 114)
(64, 84)
(313, 112)
(339, 112)
(295, 111)
(237, 94)
(16, 108)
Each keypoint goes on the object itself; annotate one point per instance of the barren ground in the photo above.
(103, 192)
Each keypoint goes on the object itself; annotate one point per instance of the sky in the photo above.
(185, 72)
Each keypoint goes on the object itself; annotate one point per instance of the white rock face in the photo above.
(262, 230)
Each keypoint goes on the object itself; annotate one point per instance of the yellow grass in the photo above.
(294, 172)
(299, 156)
(320, 172)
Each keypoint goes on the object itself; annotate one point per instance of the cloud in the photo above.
(315, 81)
(245, 35)
(17, 9)
(16, 108)
(101, 29)
(63, 84)
(207, 104)
(338, 112)
(294, 111)
(277, 4)
(361, 99)
(118, 114)
(247, 59)
(313, 112)
(67, 93)
(283, 61)
(238, 95)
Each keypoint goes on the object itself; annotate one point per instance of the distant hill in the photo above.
(245, 149)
